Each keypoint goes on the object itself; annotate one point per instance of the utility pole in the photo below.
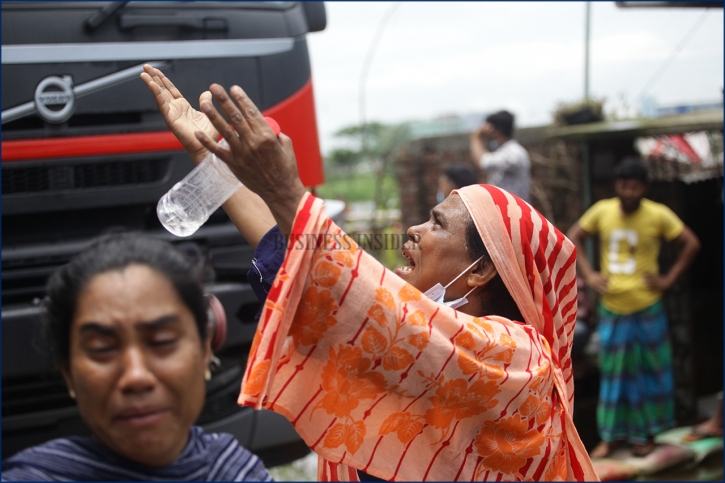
(364, 75)
(586, 172)
(363, 114)
(586, 52)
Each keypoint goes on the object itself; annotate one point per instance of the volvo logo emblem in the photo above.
(60, 93)
(55, 91)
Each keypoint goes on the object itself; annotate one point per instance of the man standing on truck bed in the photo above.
(636, 392)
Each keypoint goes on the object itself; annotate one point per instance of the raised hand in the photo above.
(484, 131)
(180, 117)
(265, 163)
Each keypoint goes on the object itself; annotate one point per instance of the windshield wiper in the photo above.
(98, 18)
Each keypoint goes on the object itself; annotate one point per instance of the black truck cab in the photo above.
(85, 150)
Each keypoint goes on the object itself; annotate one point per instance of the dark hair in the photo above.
(631, 168)
(502, 121)
(113, 252)
(496, 298)
(461, 175)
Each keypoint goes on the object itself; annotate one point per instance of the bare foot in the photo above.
(708, 429)
(604, 449)
(642, 450)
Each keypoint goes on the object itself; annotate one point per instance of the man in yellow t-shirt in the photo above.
(636, 390)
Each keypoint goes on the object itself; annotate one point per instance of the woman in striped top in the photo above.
(128, 323)
(470, 380)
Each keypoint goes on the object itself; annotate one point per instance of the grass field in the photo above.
(356, 187)
(359, 187)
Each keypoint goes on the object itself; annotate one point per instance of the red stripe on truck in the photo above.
(77, 146)
(296, 118)
(295, 115)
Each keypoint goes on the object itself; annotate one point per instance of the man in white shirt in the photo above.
(505, 162)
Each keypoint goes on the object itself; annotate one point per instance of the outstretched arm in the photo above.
(249, 214)
(245, 209)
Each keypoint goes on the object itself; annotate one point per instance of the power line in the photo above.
(695, 27)
(587, 23)
(366, 68)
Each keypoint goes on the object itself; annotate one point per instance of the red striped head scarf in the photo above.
(537, 263)
(542, 280)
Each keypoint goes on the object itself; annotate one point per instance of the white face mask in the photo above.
(437, 292)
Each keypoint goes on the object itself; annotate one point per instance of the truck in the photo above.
(85, 151)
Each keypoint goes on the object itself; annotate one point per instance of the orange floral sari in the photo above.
(377, 377)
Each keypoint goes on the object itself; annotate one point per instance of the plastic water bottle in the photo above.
(191, 201)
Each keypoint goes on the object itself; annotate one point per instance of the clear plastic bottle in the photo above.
(191, 201)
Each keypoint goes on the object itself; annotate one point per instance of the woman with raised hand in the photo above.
(470, 380)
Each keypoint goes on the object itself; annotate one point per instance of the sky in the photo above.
(441, 58)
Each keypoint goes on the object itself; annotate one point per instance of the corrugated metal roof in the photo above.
(696, 121)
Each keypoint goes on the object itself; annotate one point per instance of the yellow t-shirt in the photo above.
(629, 246)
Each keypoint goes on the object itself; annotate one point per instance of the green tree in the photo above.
(344, 158)
(376, 144)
